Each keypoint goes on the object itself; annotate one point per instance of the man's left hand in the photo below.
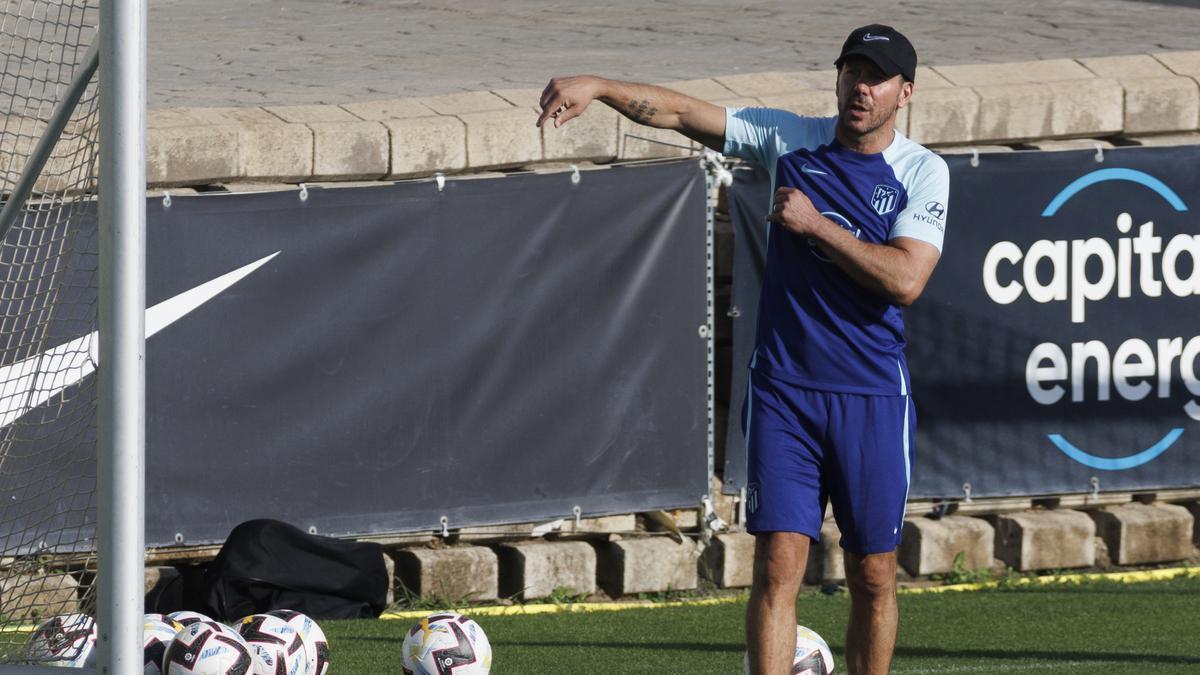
(793, 209)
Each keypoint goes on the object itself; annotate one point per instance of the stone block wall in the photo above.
(478, 131)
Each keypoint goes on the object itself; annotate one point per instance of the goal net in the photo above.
(49, 129)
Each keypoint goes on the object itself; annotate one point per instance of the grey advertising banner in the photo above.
(502, 350)
(376, 359)
(1056, 347)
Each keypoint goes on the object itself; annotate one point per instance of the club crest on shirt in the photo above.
(884, 198)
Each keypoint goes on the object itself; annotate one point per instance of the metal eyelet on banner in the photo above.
(440, 179)
(312, 529)
(974, 157)
(166, 202)
(178, 537)
(578, 513)
(1099, 153)
(303, 192)
(575, 176)
(966, 488)
(1095, 487)
(445, 526)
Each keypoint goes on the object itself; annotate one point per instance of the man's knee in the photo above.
(779, 561)
(872, 575)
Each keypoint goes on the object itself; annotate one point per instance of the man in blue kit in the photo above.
(857, 221)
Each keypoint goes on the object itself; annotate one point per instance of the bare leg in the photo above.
(874, 613)
(779, 562)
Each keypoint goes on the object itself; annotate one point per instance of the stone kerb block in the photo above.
(274, 152)
(1011, 112)
(1145, 533)
(804, 102)
(180, 155)
(930, 546)
(944, 115)
(1044, 540)
(425, 145)
(636, 141)
(729, 560)
(591, 136)
(1161, 104)
(464, 103)
(349, 150)
(757, 85)
(1156, 99)
(704, 89)
(502, 138)
(534, 569)
(455, 573)
(1181, 63)
(1023, 72)
(388, 109)
(28, 597)
(646, 565)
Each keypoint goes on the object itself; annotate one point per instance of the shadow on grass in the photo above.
(1024, 655)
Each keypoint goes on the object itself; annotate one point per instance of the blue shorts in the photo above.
(808, 447)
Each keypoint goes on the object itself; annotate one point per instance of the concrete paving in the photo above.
(296, 52)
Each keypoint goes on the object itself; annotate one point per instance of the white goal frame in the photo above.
(120, 467)
(120, 462)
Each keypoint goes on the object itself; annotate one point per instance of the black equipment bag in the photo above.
(267, 564)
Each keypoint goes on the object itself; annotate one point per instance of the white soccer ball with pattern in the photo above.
(67, 641)
(276, 647)
(157, 633)
(812, 654)
(207, 648)
(186, 618)
(446, 643)
(314, 639)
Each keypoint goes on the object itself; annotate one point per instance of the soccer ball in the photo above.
(276, 647)
(314, 639)
(156, 635)
(812, 654)
(67, 641)
(163, 618)
(186, 618)
(207, 648)
(446, 644)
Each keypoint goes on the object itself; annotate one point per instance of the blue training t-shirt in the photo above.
(817, 327)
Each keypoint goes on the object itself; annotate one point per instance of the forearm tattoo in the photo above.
(640, 111)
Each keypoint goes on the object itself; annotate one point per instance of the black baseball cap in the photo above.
(885, 46)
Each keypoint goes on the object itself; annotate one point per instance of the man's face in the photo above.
(868, 99)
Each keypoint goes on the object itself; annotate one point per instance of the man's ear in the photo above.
(906, 89)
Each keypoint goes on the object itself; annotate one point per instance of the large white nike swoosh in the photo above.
(28, 383)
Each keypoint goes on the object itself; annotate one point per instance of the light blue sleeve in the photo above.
(761, 135)
(924, 217)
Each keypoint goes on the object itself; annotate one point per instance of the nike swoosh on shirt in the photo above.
(29, 383)
(804, 169)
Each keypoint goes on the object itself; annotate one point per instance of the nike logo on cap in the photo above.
(28, 383)
(872, 38)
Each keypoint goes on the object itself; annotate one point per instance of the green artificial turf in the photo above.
(1097, 627)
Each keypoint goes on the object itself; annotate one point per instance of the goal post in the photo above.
(72, 306)
(120, 467)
